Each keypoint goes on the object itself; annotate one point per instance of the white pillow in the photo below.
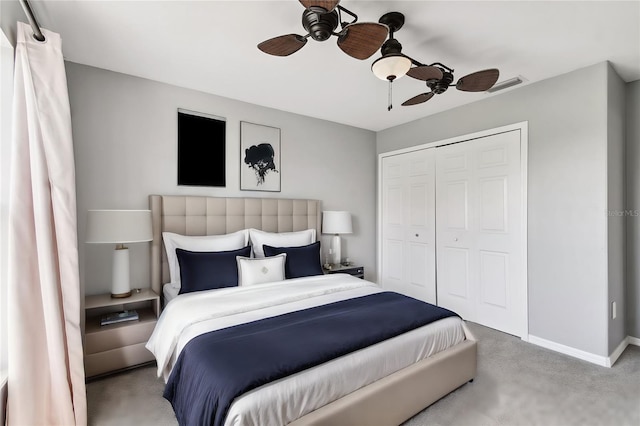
(279, 239)
(233, 241)
(252, 271)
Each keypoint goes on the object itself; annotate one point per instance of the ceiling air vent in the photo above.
(507, 83)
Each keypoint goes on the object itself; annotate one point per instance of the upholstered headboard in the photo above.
(195, 215)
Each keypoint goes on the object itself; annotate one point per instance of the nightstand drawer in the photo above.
(116, 359)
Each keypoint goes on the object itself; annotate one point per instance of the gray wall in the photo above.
(615, 205)
(124, 131)
(10, 13)
(633, 205)
(567, 195)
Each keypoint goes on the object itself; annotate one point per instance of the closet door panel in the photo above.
(454, 219)
(393, 225)
(478, 212)
(499, 233)
(420, 236)
(408, 224)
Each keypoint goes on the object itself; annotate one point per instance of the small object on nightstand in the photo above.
(116, 317)
(356, 271)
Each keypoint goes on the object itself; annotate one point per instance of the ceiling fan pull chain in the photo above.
(390, 95)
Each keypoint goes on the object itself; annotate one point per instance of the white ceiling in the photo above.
(211, 46)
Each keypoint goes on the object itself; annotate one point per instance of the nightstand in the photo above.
(114, 347)
(356, 271)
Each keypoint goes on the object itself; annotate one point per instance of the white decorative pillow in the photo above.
(279, 239)
(252, 271)
(226, 242)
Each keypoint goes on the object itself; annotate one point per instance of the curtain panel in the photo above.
(46, 373)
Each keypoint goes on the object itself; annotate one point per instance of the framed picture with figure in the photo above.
(259, 157)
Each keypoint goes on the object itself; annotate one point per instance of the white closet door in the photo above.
(478, 217)
(408, 224)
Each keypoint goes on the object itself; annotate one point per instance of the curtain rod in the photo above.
(37, 34)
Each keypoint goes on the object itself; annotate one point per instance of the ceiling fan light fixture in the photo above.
(391, 67)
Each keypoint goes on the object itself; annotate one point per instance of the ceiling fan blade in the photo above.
(478, 81)
(425, 72)
(283, 45)
(362, 39)
(423, 97)
(327, 5)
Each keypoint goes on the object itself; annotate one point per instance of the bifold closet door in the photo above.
(479, 231)
(408, 224)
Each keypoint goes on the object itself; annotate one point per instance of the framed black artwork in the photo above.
(201, 149)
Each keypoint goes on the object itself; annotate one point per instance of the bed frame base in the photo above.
(398, 397)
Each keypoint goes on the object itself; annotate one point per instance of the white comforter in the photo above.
(192, 314)
(197, 310)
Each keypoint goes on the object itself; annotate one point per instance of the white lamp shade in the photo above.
(336, 222)
(119, 226)
(391, 65)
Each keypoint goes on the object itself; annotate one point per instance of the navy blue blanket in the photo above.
(215, 368)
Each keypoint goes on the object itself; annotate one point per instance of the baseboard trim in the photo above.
(568, 350)
(617, 352)
(583, 355)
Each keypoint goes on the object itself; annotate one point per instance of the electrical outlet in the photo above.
(613, 310)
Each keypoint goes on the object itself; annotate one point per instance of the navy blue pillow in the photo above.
(203, 270)
(303, 261)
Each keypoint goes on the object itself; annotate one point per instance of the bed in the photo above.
(411, 382)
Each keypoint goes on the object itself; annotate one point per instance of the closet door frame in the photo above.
(523, 127)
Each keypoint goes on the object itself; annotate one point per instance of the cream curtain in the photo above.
(46, 373)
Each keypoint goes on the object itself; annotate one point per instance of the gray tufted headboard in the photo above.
(197, 215)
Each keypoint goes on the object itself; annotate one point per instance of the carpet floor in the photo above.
(517, 384)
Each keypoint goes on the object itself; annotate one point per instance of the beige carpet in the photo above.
(517, 384)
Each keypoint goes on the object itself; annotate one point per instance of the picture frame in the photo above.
(260, 168)
(201, 149)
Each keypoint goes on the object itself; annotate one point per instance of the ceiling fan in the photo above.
(478, 81)
(394, 64)
(321, 19)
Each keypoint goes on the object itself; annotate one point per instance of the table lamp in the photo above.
(119, 227)
(336, 223)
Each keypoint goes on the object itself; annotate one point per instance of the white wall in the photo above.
(567, 230)
(633, 205)
(125, 142)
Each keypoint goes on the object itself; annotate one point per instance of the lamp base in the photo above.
(121, 295)
(120, 287)
(335, 250)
